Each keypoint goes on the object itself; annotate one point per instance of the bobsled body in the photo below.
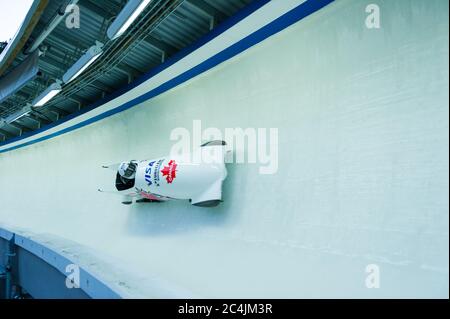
(197, 177)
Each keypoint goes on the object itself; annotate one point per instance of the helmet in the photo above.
(127, 170)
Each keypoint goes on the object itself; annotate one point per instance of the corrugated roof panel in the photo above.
(144, 57)
(229, 7)
(190, 20)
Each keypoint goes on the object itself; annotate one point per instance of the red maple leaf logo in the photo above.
(170, 171)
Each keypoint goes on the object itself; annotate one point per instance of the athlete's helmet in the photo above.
(127, 170)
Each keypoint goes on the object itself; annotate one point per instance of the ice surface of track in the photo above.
(362, 117)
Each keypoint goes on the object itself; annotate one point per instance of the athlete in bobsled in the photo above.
(196, 177)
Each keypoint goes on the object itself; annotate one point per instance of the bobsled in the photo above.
(196, 177)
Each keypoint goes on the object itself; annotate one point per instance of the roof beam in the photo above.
(7, 134)
(131, 72)
(160, 45)
(80, 101)
(207, 9)
(98, 84)
(21, 123)
(33, 119)
(100, 11)
(22, 95)
(51, 60)
(58, 37)
(112, 8)
(43, 117)
(5, 105)
(20, 126)
(16, 128)
(58, 111)
(38, 118)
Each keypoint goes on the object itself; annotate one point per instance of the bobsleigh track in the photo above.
(362, 166)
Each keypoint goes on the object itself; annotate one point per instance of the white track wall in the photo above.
(363, 167)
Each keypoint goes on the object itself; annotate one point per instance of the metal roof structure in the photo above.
(164, 28)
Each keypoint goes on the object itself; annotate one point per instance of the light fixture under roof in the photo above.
(92, 54)
(48, 94)
(126, 17)
(14, 117)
